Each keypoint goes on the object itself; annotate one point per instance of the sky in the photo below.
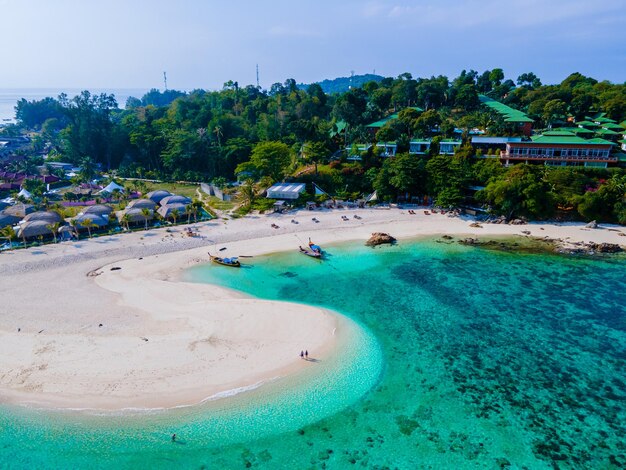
(111, 44)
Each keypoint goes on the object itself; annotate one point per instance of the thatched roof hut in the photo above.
(50, 217)
(175, 199)
(20, 210)
(141, 204)
(33, 229)
(97, 220)
(134, 214)
(8, 219)
(98, 209)
(166, 211)
(157, 195)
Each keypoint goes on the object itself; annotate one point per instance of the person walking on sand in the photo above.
(306, 355)
(301, 354)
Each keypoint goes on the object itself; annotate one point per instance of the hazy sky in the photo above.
(202, 44)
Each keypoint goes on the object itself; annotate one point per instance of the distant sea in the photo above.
(10, 96)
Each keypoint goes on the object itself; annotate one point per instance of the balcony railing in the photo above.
(578, 158)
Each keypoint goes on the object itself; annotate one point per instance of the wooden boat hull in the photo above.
(311, 254)
(220, 261)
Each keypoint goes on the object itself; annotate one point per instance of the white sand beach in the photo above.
(76, 334)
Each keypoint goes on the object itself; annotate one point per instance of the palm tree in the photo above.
(88, 224)
(125, 220)
(218, 133)
(146, 213)
(74, 227)
(188, 210)
(54, 228)
(175, 213)
(196, 206)
(248, 193)
(8, 233)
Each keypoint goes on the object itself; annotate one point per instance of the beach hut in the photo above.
(166, 211)
(98, 209)
(141, 204)
(157, 195)
(8, 220)
(34, 229)
(20, 210)
(175, 199)
(111, 188)
(97, 220)
(65, 233)
(135, 215)
(49, 217)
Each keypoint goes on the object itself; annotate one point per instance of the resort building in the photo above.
(422, 147)
(559, 149)
(511, 116)
(285, 191)
(492, 145)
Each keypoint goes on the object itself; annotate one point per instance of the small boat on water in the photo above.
(311, 253)
(315, 248)
(232, 262)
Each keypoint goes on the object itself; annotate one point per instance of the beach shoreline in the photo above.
(165, 342)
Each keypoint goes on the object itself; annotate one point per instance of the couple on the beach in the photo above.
(304, 354)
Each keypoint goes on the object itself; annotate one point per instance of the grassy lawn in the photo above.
(218, 204)
(188, 190)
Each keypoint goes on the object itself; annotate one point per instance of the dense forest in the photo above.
(302, 134)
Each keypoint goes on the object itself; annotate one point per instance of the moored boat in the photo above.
(232, 262)
(315, 248)
(311, 253)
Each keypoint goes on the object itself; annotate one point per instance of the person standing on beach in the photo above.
(306, 354)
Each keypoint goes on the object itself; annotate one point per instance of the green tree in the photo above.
(88, 224)
(54, 228)
(146, 215)
(271, 159)
(521, 191)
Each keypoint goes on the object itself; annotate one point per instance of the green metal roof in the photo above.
(391, 117)
(558, 133)
(603, 120)
(580, 130)
(613, 126)
(599, 141)
(587, 123)
(566, 140)
(606, 132)
(509, 114)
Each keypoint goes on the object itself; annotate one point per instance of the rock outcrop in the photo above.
(380, 238)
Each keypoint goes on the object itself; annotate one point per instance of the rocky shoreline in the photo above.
(546, 244)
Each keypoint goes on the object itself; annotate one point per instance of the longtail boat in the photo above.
(311, 253)
(232, 262)
(314, 247)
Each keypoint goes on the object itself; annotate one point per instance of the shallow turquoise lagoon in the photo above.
(464, 358)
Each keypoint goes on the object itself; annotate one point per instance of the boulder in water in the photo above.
(379, 238)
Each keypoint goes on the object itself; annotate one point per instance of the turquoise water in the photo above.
(468, 358)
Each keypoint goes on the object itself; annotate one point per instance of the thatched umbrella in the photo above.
(166, 211)
(20, 210)
(157, 195)
(141, 204)
(8, 219)
(99, 209)
(50, 217)
(175, 199)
